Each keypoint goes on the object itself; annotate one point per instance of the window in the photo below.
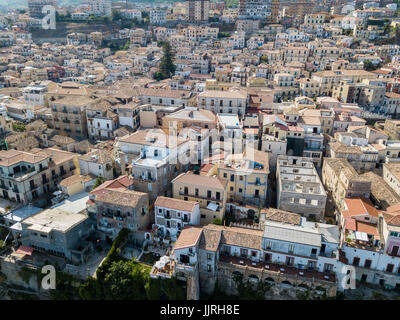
(227, 250)
(328, 267)
(313, 252)
(209, 256)
(269, 245)
(289, 261)
(208, 268)
(291, 248)
(356, 261)
(367, 263)
(389, 267)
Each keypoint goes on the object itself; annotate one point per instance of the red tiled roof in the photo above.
(189, 237)
(25, 250)
(350, 224)
(360, 206)
(367, 228)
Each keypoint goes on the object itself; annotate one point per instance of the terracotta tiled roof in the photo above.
(175, 204)
(210, 239)
(367, 228)
(189, 237)
(360, 206)
(283, 216)
(120, 182)
(201, 180)
(120, 196)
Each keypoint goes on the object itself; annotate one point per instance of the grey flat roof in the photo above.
(330, 233)
(291, 233)
(54, 219)
(73, 204)
(22, 213)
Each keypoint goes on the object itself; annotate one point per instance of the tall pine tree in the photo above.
(167, 67)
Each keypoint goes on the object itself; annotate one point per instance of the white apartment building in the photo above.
(230, 132)
(153, 158)
(158, 16)
(299, 188)
(391, 174)
(132, 14)
(172, 215)
(100, 7)
(98, 163)
(233, 101)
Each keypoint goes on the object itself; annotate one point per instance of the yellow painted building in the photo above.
(209, 191)
(247, 177)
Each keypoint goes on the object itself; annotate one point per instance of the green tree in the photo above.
(153, 289)
(99, 181)
(91, 289)
(173, 289)
(223, 35)
(264, 59)
(158, 76)
(145, 15)
(368, 65)
(19, 127)
(167, 67)
(116, 15)
(118, 282)
(217, 221)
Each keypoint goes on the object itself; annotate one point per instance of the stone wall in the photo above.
(281, 284)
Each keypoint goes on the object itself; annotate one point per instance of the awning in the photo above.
(362, 236)
(212, 206)
(25, 250)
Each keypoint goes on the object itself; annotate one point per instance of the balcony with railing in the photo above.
(279, 268)
(111, 215)
(182, 193)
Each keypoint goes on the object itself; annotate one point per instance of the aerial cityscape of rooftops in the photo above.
(200, 150)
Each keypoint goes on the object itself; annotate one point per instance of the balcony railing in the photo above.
(182, 193)
(277, 268)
